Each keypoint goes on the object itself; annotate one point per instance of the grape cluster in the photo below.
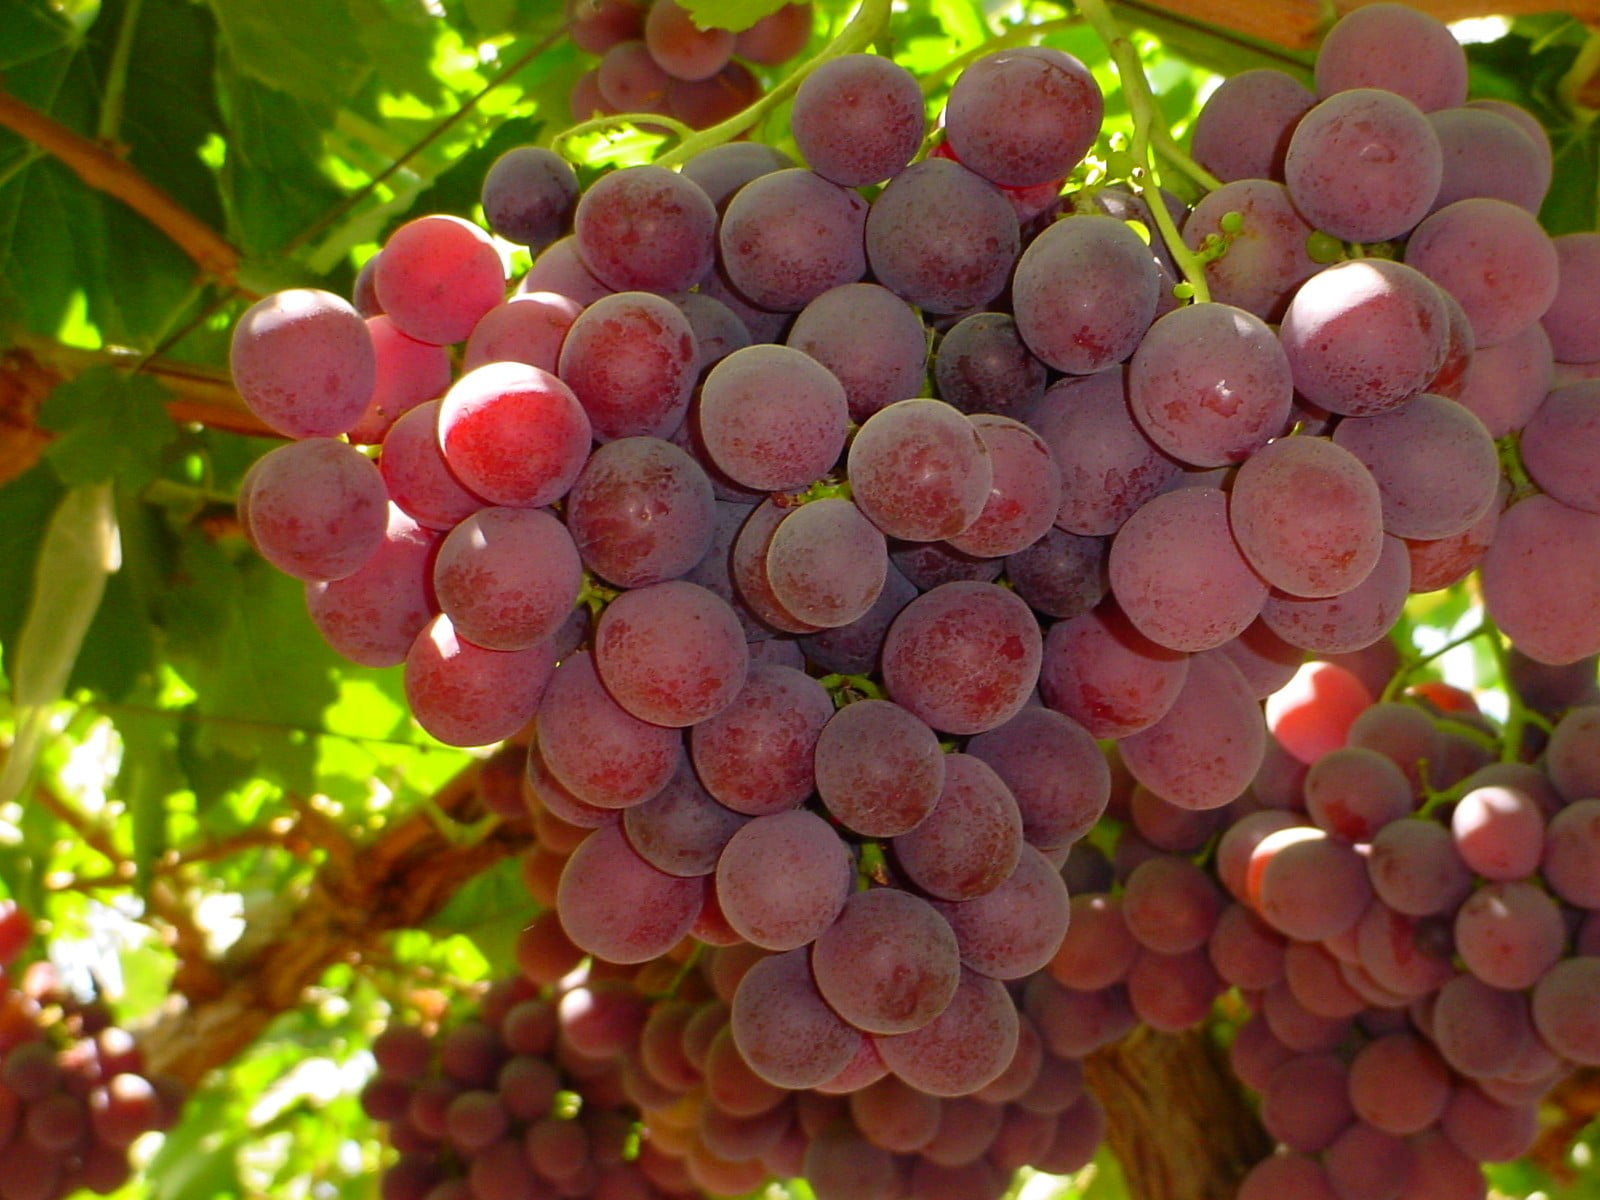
(522, 1101)
(1413, 922)
(821, 668)
(626, 1084)
(654, 58)
(74, 1093)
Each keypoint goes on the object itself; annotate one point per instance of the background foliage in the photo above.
(190, 777)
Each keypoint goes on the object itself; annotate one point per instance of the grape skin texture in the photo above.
(920, 470)
(1307, 884)
(1266, 256)
(317, 509)
(941, 238)
(465, 695)
(1242, 131)
(827, 563)
(1023, 116)
(631, 360)
(646, 229)
(596, 749)
(1084, 292)
(790, 235)
(1053, 769)
(879, 768)
(1541, 580)
(1486, 153)
(1571, 852)
(1308, 516)
(1364, 165)
(1102, 672)
(971, 841)
(964, 657)
(981, 365)
(1392, 46)
(1210, 384)
(1573, 320)
(618, 907)
(529, 328)
(1564, 1010)
(671, 653)
(1435, 464)
(872, 341)
(372, 616)
(681, 829)
(436, 277)
(1178, 574)
(529, 194)
(783, 879)
(304, 362)
(641, 512)
(1109, 466)
(858, 119)
(1560, 444)
(889, 964)
(755, 756)
(965, 1047)
(1352, 620)
(1364, 336)
(1014, 929)
(1494, 258)
(507, 577)
(1206, 747)
(783, 1027)
(514, 434)
(1025, 494)
(773, 418)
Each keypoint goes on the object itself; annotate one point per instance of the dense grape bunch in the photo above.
(75, 1092)
(916, 585)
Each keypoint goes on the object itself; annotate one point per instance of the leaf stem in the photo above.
(110, 124)
(469, 105)
(102, 170)
(1147, 123)
(642, 119)
(1401, 679)
(869, 22)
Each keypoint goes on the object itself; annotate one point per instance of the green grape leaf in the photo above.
(308, 48)
(147, 775)
(459, 188)
(80, 550)
(111, 426)
(735, 15)
(273, 186)
(491, 910)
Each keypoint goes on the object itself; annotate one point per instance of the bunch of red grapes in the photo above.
(850, 538)
(627, 1084)
(74, 1092)
(654, 58)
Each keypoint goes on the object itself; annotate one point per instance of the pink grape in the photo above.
(507, 577)
(514, 434)
(437, 275)
(964, 657)
(303, 360)
(465, 695)
(671, 653)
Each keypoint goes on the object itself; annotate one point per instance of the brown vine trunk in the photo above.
(361, 894)
(1177, 1119)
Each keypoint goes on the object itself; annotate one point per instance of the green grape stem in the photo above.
(867, 26)
(1402, 678)
(643, 120)
(1147, 123)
